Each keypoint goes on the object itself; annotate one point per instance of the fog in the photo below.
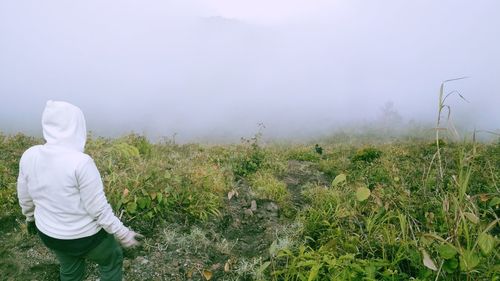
(213, 70)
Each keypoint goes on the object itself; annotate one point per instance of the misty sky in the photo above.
(212, 69)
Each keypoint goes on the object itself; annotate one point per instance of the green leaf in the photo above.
(486, 243)
(473, 218)
(362, 193)
(131, 207)
(450, 265)
(313, 274)
(339, 179)
(447, 251)
(494, 202)
(370, 271)
(119, 205)
(468, 260)
(141, 202)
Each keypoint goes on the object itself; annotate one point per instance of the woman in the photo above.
(61, 192)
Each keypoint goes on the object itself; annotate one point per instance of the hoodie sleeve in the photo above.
(94, 200)
(25, 200)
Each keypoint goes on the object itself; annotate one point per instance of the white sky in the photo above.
(269, 12)
(204, 68)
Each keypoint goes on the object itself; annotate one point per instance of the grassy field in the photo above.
(345, 209)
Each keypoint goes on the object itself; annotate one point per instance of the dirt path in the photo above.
(299, 174)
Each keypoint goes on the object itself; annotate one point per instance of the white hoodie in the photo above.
(59, 186)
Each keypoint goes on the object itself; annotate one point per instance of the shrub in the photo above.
(248, 161)
(368, 154)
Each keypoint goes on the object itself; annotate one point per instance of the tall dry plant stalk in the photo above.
(450, 127)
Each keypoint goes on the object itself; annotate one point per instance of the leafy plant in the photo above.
(368, 155)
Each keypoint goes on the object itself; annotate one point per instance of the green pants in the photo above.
(108, 255)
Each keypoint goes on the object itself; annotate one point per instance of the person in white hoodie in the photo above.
(61, 194)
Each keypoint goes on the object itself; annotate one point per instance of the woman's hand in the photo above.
(132, 239)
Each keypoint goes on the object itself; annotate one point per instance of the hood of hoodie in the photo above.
(64, 124)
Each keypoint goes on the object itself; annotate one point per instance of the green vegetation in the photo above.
(392, 211)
